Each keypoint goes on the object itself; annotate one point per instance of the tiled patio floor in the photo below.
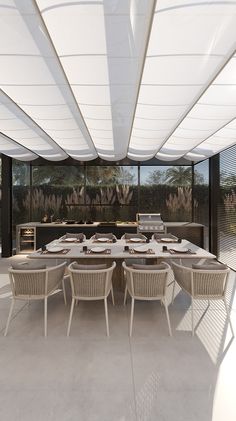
(89, 377)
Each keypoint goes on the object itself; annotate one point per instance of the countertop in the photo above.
(63, 224)
(96, 224)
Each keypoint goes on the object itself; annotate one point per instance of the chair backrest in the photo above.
(108, 235)
(78, 236)
(201, 283)
(35, 283)
(129, 235)
(146, 283)
(91, 284)
(55, 275)
(158, 236)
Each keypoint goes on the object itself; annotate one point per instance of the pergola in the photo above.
(116, 81)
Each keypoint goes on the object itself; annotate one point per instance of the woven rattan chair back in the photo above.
(202, 285)
(35, 285)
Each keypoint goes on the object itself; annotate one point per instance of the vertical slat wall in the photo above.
(201, 197)
(227, 208)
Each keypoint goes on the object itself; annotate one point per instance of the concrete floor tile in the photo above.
(90, 377)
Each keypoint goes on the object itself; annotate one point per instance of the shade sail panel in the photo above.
(18, 126)
(214, 110)
(190, 42)
(31, 74)
(10, 148)
(101, 46)
(222, 139)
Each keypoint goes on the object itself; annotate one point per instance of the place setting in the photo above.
(182, 250)
(96, 250)
(71, 240)
(168, 240)
(140, 250)
(104, 240)
(135, 240)
(53, 250)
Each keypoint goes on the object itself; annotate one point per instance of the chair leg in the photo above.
(9, 316)
(106, 315)
(131, 317)
(76, 302)
(45, 315)
(125, 296)
(192, 316)
(112, 295)
(70, 318)
(64, 290)
(167, 315)
(228, 317)
(173, 293)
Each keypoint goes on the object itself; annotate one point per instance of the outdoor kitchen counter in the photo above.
(46, 232)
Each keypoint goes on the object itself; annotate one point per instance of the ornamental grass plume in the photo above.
(108, 196)
(181, 201)
(124, 195)
(75, 198)
(42, 202)
(230, 201)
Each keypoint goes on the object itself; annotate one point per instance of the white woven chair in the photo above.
(36, 284)
(149, 285)
(108, 235)
(127, 236)
(202, 285)
(90, 285)
(78, 236)
(158, 236)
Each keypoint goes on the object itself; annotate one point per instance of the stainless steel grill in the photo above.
(150, 222)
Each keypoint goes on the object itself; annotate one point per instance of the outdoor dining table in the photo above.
(106, 252)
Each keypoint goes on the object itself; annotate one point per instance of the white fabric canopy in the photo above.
(117, 78)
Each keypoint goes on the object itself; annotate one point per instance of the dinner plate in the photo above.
(136, 240)
(167, 240)
(183, 250)
(70, 239)
(98, 249)
(54, 249)
(141, 249)
(103, 239)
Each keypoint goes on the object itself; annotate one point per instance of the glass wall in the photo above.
(227, 208)
(100, 193)
(84, 193)
(111, 193)
(201, 197)
(57, 191)
(167, 190)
